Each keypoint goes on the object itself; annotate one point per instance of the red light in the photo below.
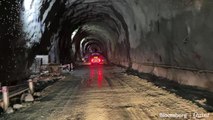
(92, 60)
(99, 60)
(96, 59)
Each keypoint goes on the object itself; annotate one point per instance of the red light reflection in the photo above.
(96, 73)
(92, 73)
(100, 76)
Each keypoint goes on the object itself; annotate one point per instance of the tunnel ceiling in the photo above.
(57, 19)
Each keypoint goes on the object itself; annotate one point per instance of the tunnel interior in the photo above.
(169, 38)
(93, 26)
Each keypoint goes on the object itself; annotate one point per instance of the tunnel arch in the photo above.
(100, 46)
(93, 16)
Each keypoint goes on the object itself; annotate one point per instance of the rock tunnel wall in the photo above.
(13, 50)
(171, 39)
(168, 38)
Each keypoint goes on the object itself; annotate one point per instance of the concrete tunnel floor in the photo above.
(105, 93)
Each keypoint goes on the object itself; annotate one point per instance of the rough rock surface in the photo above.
(28, 98)
(17, 106)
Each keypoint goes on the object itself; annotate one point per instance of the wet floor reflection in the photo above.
(96, 76)
(100, 76)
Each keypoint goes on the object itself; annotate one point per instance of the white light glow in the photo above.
(27, 4)
(73, 34)
(32, 25)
